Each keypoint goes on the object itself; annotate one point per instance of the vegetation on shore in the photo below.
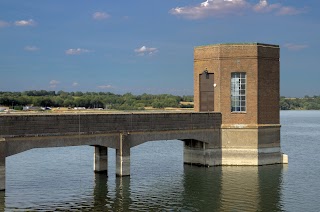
(128, 101)
(305, 103)
(107, 100)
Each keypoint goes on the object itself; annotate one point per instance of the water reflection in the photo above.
(122, 199)
(108, 199)
(203, 189)
(153, 186)
(2, 200)
(233, 188)
(100, 192)
(270, 187)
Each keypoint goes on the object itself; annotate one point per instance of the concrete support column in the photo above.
(2, 164)
(100, 159)
(193, 152)
(123, 157)
(197, 153)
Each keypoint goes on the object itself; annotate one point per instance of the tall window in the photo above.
(238, 92)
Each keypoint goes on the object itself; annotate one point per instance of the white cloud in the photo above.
(29, 22)
(75, 84)
(210, 8)
(77, 51)
(146, 50)
(290, 11)
(220, 8)
(31, 48)
(100, 15)
(53, 83)
(105, 86)
(264, 7)
(4, 24)
(295, 47)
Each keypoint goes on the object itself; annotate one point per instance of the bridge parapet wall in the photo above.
(72, 124)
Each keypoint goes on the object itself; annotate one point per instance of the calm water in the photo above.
(61, 179)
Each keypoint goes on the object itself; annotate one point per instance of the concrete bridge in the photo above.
(200, 131)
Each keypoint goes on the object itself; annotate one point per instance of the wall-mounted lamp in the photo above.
(206, 73)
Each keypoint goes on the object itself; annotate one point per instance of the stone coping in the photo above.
(100, 113)
(240, 44)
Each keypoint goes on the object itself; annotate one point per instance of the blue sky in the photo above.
(147, 46)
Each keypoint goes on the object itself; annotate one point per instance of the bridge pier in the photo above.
(199, 153)
(123, 157)
(100, 159)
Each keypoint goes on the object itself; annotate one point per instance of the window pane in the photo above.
(238, 91)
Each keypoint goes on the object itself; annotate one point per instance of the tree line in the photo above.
(305, 103)
(128, 101)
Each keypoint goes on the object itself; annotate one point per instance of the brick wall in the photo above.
(260, 62)
(206, 57)
(269, 86)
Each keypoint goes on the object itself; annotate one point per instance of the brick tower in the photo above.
(241, 81)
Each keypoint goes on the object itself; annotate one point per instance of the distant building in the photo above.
(79, 108)
(31, 108)
(3, 108)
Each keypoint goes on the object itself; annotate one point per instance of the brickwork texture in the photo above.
(261, 64)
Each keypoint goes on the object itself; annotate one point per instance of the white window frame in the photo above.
(238, 92)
